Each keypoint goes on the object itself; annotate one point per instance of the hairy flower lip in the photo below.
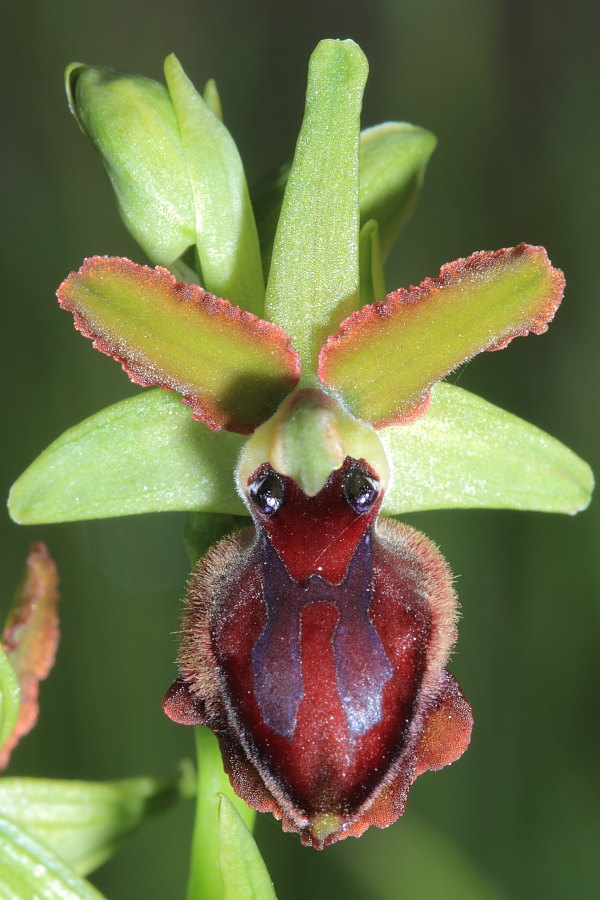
(284, 772)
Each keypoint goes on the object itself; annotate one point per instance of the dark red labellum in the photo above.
(315, 648)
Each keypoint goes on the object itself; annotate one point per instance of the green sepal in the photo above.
(9, 698)
(31, 871)
(372, 280)
(132, 125)
(245, 876)
(86, 822)
(226, 235)
(393, 159)
(313, 280)
(144, 454)
(206, 880)
(467, 453)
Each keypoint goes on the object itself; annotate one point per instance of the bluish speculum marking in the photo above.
(361, 665)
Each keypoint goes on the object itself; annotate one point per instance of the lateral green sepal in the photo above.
(144, 454)
(467, 453)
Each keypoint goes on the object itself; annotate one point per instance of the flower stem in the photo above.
(205, 881)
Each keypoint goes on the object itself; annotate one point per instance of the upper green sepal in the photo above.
(467, 453)
(313, 280)
(132, 124)
(393, 158)
(231, 367)
(386, 357)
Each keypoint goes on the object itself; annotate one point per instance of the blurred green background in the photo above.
(511, 89)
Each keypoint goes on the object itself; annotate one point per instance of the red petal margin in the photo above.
(356, 330)
(30, 638)
(253, 403)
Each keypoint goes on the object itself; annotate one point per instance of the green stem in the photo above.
(205, 881)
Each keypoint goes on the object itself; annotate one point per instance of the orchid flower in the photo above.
(314, 640)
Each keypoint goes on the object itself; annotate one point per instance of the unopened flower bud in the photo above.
(132, 124)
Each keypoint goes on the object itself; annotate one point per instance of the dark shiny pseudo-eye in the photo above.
(361, 490)
(267, 492)
(314, 646)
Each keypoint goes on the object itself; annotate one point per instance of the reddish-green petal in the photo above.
(232, 368)
(30, 638)
(386, 356)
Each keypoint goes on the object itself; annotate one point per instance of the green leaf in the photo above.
(372, 282)
(245, 876)
(226, 234)
(86, 822)
(393, 159)
(144, 454)
(30, 871)
(313, 282)
(205, 881)
(232, 368)
(467, 453)
(132, 125)
(386, 356)
(9, 698)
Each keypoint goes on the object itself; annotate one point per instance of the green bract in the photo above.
(216, 837)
